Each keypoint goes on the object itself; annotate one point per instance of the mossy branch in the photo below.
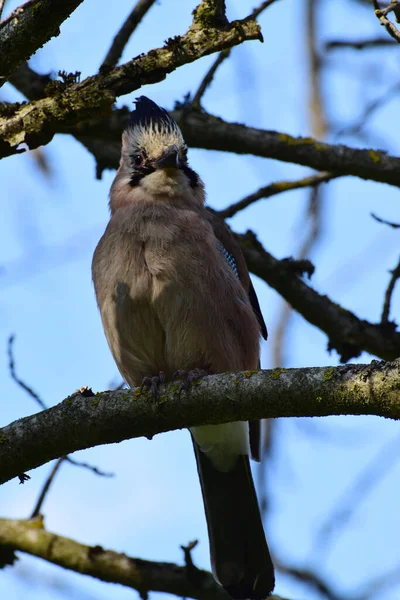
(31, 537)
(347, 334)
(81, 422)
(68, 103)
(29, 27)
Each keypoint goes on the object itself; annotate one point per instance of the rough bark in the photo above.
(81, 422)
(142, 575)
(28, 28)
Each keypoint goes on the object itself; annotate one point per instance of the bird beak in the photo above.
(169, 159)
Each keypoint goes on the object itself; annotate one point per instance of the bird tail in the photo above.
(240, 558)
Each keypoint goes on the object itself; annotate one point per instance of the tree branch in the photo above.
(278, 187)
(347, 334)
(123, 35)
(28, 28)
(81, 422)
(381, 14)
(142, 575)
(72, 103)
(203, 130)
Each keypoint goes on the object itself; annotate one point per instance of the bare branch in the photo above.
(28, 28)
(81, 422)
(106, 565)
(206, 82)
(273, 189)
(74, 102)
(381, 14)
(18, 381)
(257, 11)
(389, 293)
(37, 398)
(46, 487)
(123, 35)
(373, 43)
(347, 334)
(393, 225)
(358, 490)
(208, 78)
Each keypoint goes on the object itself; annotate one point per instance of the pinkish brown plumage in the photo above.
(169, 299)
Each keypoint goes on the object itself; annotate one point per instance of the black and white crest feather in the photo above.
(152, 128)
(147, 113)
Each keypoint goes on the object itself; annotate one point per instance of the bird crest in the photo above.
(151, 128)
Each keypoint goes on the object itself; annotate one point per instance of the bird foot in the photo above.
(188, 377)
(153, 383)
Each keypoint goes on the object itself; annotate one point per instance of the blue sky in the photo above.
(49, 229)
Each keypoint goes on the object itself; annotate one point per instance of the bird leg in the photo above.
(188, 377)
(153, 383)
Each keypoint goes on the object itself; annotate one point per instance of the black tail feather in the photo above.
(240, 558)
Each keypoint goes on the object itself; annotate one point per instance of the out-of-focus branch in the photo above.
(369, 110)
(206, 82)
(389, 223)
(389, 293)
(273, 189)
(379, 42)
(46, 487)
(357, 491)
(81, 422)
(145, 576)
(31, 392)
(316, 111)
(123, 35)
(2, 4)
(347, 334)
(28, 28)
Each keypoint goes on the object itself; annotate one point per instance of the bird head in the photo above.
(154, 164)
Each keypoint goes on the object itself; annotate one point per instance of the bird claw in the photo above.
(153, 383)
(188, 377)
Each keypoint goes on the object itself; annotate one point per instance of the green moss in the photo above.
(95, 402)
(329, 374)
(250, 373)
(276, 373)
(175, 388)
(3, 438)
(291, 141)
(319, 398)
(374, 156)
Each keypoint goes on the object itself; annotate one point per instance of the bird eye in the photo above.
(138, 160)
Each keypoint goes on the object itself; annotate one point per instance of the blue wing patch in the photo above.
(229, 258)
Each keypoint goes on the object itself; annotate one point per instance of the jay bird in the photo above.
(175, 294)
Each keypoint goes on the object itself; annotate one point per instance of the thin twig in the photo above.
(123, 35)
(2, 5)
(369, 110)
(46, 487)
(381, 14)
(389, 293)
(209, 76)
(11, 365)
(37, 398)
(257, 11)
(273, 189)
(378, 42)
(319, 126)
(390, 223)
(367, 480)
